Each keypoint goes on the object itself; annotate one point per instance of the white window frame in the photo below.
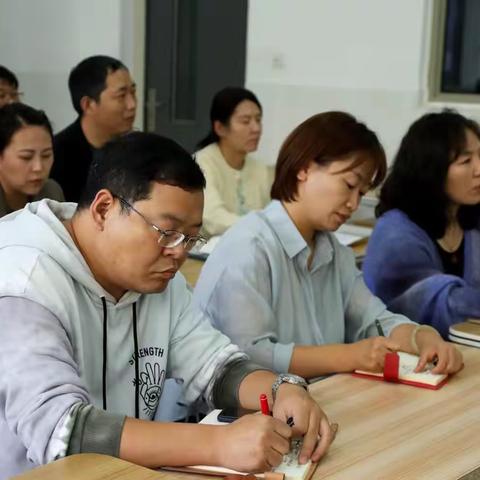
(437, 39)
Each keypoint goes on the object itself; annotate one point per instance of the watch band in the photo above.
(287, 378)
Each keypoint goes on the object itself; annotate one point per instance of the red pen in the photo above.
(264, 404)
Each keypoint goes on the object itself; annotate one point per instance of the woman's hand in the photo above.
(369, 354)
(432, 348)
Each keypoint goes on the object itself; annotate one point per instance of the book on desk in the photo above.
(289, 469)
(466, 333)
(399, 368)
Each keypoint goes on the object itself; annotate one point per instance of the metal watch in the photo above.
(288, 378)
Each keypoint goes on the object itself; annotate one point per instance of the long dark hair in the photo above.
(416, 182)
(224, 104)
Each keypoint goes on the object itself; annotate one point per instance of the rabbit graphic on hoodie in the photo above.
(65, 341)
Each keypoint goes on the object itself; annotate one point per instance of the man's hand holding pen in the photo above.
(309, 421)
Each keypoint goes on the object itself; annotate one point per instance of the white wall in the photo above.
(368, 57)
(42, 40)
(365, 57)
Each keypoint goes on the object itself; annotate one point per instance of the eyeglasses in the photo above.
(10, 95)
(169, 238)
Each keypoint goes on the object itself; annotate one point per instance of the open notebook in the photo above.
(289, 469)
(399, 368)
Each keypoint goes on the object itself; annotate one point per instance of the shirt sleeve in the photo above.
(198, 353)
(41, 387)
(239, 303)
(227, 384)
(216, 217)
(408, 275)
(362, 308)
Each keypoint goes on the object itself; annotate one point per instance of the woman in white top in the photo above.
(236, 183)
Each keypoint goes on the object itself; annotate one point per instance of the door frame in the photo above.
(133, 18)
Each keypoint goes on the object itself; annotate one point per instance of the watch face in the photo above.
(290, 378)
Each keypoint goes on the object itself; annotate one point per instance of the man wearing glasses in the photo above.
(8, 87)
(94, 317)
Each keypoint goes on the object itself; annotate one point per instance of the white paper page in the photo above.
(346, 239)
(407, 365)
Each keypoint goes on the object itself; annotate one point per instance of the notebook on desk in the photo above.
(399, 368)
(466, 333)
(289, 469)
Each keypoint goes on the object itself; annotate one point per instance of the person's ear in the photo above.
(219, 128)
(87, 104)
(101, 207)
(302, 174)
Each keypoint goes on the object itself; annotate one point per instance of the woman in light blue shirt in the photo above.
(281, 286)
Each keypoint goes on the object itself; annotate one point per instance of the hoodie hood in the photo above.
(39, 226)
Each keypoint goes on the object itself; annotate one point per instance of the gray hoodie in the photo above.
(66, 344)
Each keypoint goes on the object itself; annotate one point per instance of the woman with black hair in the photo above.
(236, 183)
(26, 157)
(423, 259)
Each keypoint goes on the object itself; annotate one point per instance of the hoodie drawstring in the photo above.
(135, 346)
(104, 372)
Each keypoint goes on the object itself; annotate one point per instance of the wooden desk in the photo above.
(393, 431)
(387, 431)
(191, 268)
(91, 466)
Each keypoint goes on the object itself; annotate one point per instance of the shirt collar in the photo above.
(292, 241)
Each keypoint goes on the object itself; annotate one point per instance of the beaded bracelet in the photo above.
(413, 338)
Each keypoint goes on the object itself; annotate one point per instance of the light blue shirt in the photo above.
(256, 287)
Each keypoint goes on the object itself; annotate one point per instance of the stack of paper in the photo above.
(466, 333)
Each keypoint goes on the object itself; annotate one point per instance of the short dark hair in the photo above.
(128, 166)
(416, 182)
(323, 138)
(88, 78)
(223, 105)
(15, 116)
(8, 76)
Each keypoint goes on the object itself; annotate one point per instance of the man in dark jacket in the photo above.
(103, 94)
